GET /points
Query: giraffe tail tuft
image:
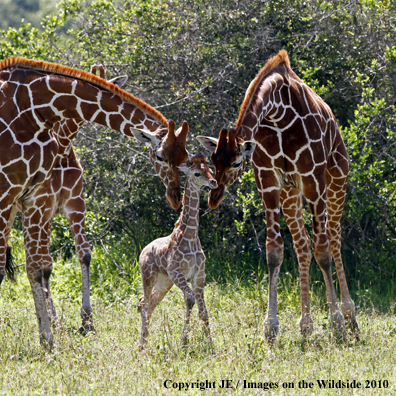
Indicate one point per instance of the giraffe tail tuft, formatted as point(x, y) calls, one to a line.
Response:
point(10, 269)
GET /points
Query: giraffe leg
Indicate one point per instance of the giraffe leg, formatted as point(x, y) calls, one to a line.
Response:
point(336, 188)
point(291, 201)
point(315, 194)
point(32, 225)
point(3, 248)
point(149, 273)
point(74, 211)
point(47, 266)
point(162, 286)
point(198, 285)
point(189, 297)
point(4, 221)
point(274, 250)
point(14, 210)
point(155, 287)
point(148, 285)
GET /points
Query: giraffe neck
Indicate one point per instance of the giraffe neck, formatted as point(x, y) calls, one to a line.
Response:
point(64, 132)
point(259, 110)
point(50, 98)
point(267, 100)
point(281, 101)
point(188, 223)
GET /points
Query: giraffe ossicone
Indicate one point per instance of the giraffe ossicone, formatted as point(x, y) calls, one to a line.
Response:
point(35, 97)
point(178, 258)
point(297, 151)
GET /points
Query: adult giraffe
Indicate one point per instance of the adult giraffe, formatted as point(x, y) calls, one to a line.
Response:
point(297, 151)
point(65, 195)
point(34, 96)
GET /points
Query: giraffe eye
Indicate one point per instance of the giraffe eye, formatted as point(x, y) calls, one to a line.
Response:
point(160, 159)
point(236, 164)
point(197, 174)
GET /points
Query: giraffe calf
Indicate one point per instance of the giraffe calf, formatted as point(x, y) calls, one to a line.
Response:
point(178, 258)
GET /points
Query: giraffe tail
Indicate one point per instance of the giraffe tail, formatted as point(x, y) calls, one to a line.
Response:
point(10, 269)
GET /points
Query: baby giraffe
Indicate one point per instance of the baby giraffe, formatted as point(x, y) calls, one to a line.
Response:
point(179, 257)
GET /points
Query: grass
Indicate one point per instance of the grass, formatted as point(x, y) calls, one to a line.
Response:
point(109, 362)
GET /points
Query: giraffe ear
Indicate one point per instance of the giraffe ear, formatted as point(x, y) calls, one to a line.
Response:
point(208, 142)
point(145, 136)
point(119, 80)
point(184, 169)
point(248, 147)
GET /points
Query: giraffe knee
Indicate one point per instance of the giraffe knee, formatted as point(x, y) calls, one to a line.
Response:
point(190, 300)
point(141, 304)
point(324, 261)
point(87, 259)
point(274, 259)
point(46, 273)
point(39, 277)
point(204, 316)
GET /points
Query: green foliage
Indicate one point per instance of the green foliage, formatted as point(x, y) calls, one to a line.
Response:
point(194, 61)
point(13, 11)
point(369, 221)
point(114, 277)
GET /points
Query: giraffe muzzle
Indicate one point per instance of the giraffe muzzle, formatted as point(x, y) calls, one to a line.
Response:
point(213, 184)
point(216, 196)
point(173, 198)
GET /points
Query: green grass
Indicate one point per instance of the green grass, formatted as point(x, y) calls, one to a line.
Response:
point(109, 362)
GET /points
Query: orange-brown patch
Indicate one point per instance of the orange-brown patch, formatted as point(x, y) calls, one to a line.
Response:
point(198, 159)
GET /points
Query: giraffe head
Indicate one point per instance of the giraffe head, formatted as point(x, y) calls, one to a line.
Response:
point(199, 172)
point(229, 154)
point(167, 152)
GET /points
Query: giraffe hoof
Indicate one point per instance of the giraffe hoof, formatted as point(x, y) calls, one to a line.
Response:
point(55, 324)
point(271, 329)
point(337, 321)
point(87, 325)
point(271, 338)
point(352, 325)
point(306, 325)
point(348, 310)
point(142, 343)
point(47, 340)
point(86, 328)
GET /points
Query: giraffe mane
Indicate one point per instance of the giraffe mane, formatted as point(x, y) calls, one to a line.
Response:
point(86, 76)
point(272, 63)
